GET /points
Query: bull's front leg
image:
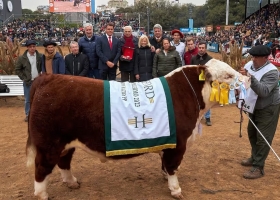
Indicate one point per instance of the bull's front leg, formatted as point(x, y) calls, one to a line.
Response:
point(173, 185)
point(171, 160)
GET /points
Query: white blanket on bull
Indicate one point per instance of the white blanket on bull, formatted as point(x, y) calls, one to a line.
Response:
point(139, 117)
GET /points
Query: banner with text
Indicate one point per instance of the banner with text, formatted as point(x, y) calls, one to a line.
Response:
point(213, 47)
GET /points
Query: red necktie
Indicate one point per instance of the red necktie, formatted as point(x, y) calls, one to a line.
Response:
point(110, 42)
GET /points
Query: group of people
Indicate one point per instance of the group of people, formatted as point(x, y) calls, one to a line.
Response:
point(143, 59)
point(99, 57)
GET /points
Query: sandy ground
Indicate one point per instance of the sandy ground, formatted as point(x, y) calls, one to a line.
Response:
point(210, 170)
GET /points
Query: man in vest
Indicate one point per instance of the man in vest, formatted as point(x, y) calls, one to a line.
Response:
point(262, 103)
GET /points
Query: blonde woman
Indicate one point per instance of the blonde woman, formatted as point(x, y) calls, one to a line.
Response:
point(143, 65)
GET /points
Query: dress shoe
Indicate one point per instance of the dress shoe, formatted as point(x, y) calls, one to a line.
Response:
point(254, 173)
point(247, 162)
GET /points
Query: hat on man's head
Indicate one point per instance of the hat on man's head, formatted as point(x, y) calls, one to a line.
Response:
point(260, 50)
point(47, 43)
point(177, 31)
point(29, 42)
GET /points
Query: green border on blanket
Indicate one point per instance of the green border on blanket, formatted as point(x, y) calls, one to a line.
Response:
point(107, 112)
point(142, 146)
point(171, 115)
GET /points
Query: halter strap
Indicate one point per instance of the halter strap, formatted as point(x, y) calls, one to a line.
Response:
point(192, 89)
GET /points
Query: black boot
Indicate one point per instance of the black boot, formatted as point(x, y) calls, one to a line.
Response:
point(208, 122)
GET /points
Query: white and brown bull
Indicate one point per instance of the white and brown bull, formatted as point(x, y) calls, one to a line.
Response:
point(68, 112)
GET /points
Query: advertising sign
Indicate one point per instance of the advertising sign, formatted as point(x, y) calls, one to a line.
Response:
point(190, 30)
point(213, 47)
point(190, 23)
point(93, 9)
point(209, 28)
point(70, 6)
point(185, 30)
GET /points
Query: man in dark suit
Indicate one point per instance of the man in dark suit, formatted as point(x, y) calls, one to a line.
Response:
point(108, 50)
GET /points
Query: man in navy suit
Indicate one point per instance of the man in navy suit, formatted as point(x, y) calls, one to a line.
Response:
point(108, 50)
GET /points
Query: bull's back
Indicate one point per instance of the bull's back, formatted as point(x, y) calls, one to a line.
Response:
point(66, 108)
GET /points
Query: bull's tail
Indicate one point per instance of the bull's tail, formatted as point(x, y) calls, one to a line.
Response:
point(30, 152)
point(30, 148)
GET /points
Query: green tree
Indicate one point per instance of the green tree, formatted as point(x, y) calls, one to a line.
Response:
point(172, 16)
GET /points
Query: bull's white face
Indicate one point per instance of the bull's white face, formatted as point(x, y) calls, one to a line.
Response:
point(222, 72)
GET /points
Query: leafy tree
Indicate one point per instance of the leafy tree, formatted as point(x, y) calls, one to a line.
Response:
point(26, 11)
point(172, 16)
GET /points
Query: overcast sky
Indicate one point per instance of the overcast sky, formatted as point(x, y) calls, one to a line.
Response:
point(32, 4)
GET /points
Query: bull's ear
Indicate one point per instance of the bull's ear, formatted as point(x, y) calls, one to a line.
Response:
point(201, 72)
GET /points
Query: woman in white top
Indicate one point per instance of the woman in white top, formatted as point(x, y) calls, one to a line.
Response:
point(176, 42)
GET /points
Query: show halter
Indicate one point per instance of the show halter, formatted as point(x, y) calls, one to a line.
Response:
point(192, 89)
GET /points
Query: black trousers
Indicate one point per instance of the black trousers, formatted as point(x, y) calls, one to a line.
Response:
point(266, 120)
point(108, 74)
point(127, 76)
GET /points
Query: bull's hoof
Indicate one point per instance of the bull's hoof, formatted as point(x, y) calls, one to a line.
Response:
point(74, 185)
point(42, 195)
point(44, 198)
point(177, 196)
point(177, 193)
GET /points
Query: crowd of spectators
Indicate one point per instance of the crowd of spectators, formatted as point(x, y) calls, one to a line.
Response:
point(260, 28)
point(38, 29)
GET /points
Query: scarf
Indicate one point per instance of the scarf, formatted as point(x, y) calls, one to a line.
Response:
point(48, 61)
point(49, 56)
point(128, 42)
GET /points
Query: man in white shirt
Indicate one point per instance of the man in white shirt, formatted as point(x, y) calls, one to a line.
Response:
point(28, 67)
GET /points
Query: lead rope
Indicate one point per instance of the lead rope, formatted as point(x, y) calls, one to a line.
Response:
point(241, 120)
point(192, 90)
point(262, 136)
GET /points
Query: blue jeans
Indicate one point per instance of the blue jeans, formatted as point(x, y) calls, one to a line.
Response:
point(26, 91)
point(93, 73)
point(208, 114)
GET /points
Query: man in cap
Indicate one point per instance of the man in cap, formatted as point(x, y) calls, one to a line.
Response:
point(176, 42)
point(52, 61)
point(28, 67)
point(262, 103)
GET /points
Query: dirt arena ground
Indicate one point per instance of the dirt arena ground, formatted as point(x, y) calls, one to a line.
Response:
point(210, 170)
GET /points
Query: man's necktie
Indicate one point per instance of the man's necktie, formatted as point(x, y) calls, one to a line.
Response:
point(110, 42)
